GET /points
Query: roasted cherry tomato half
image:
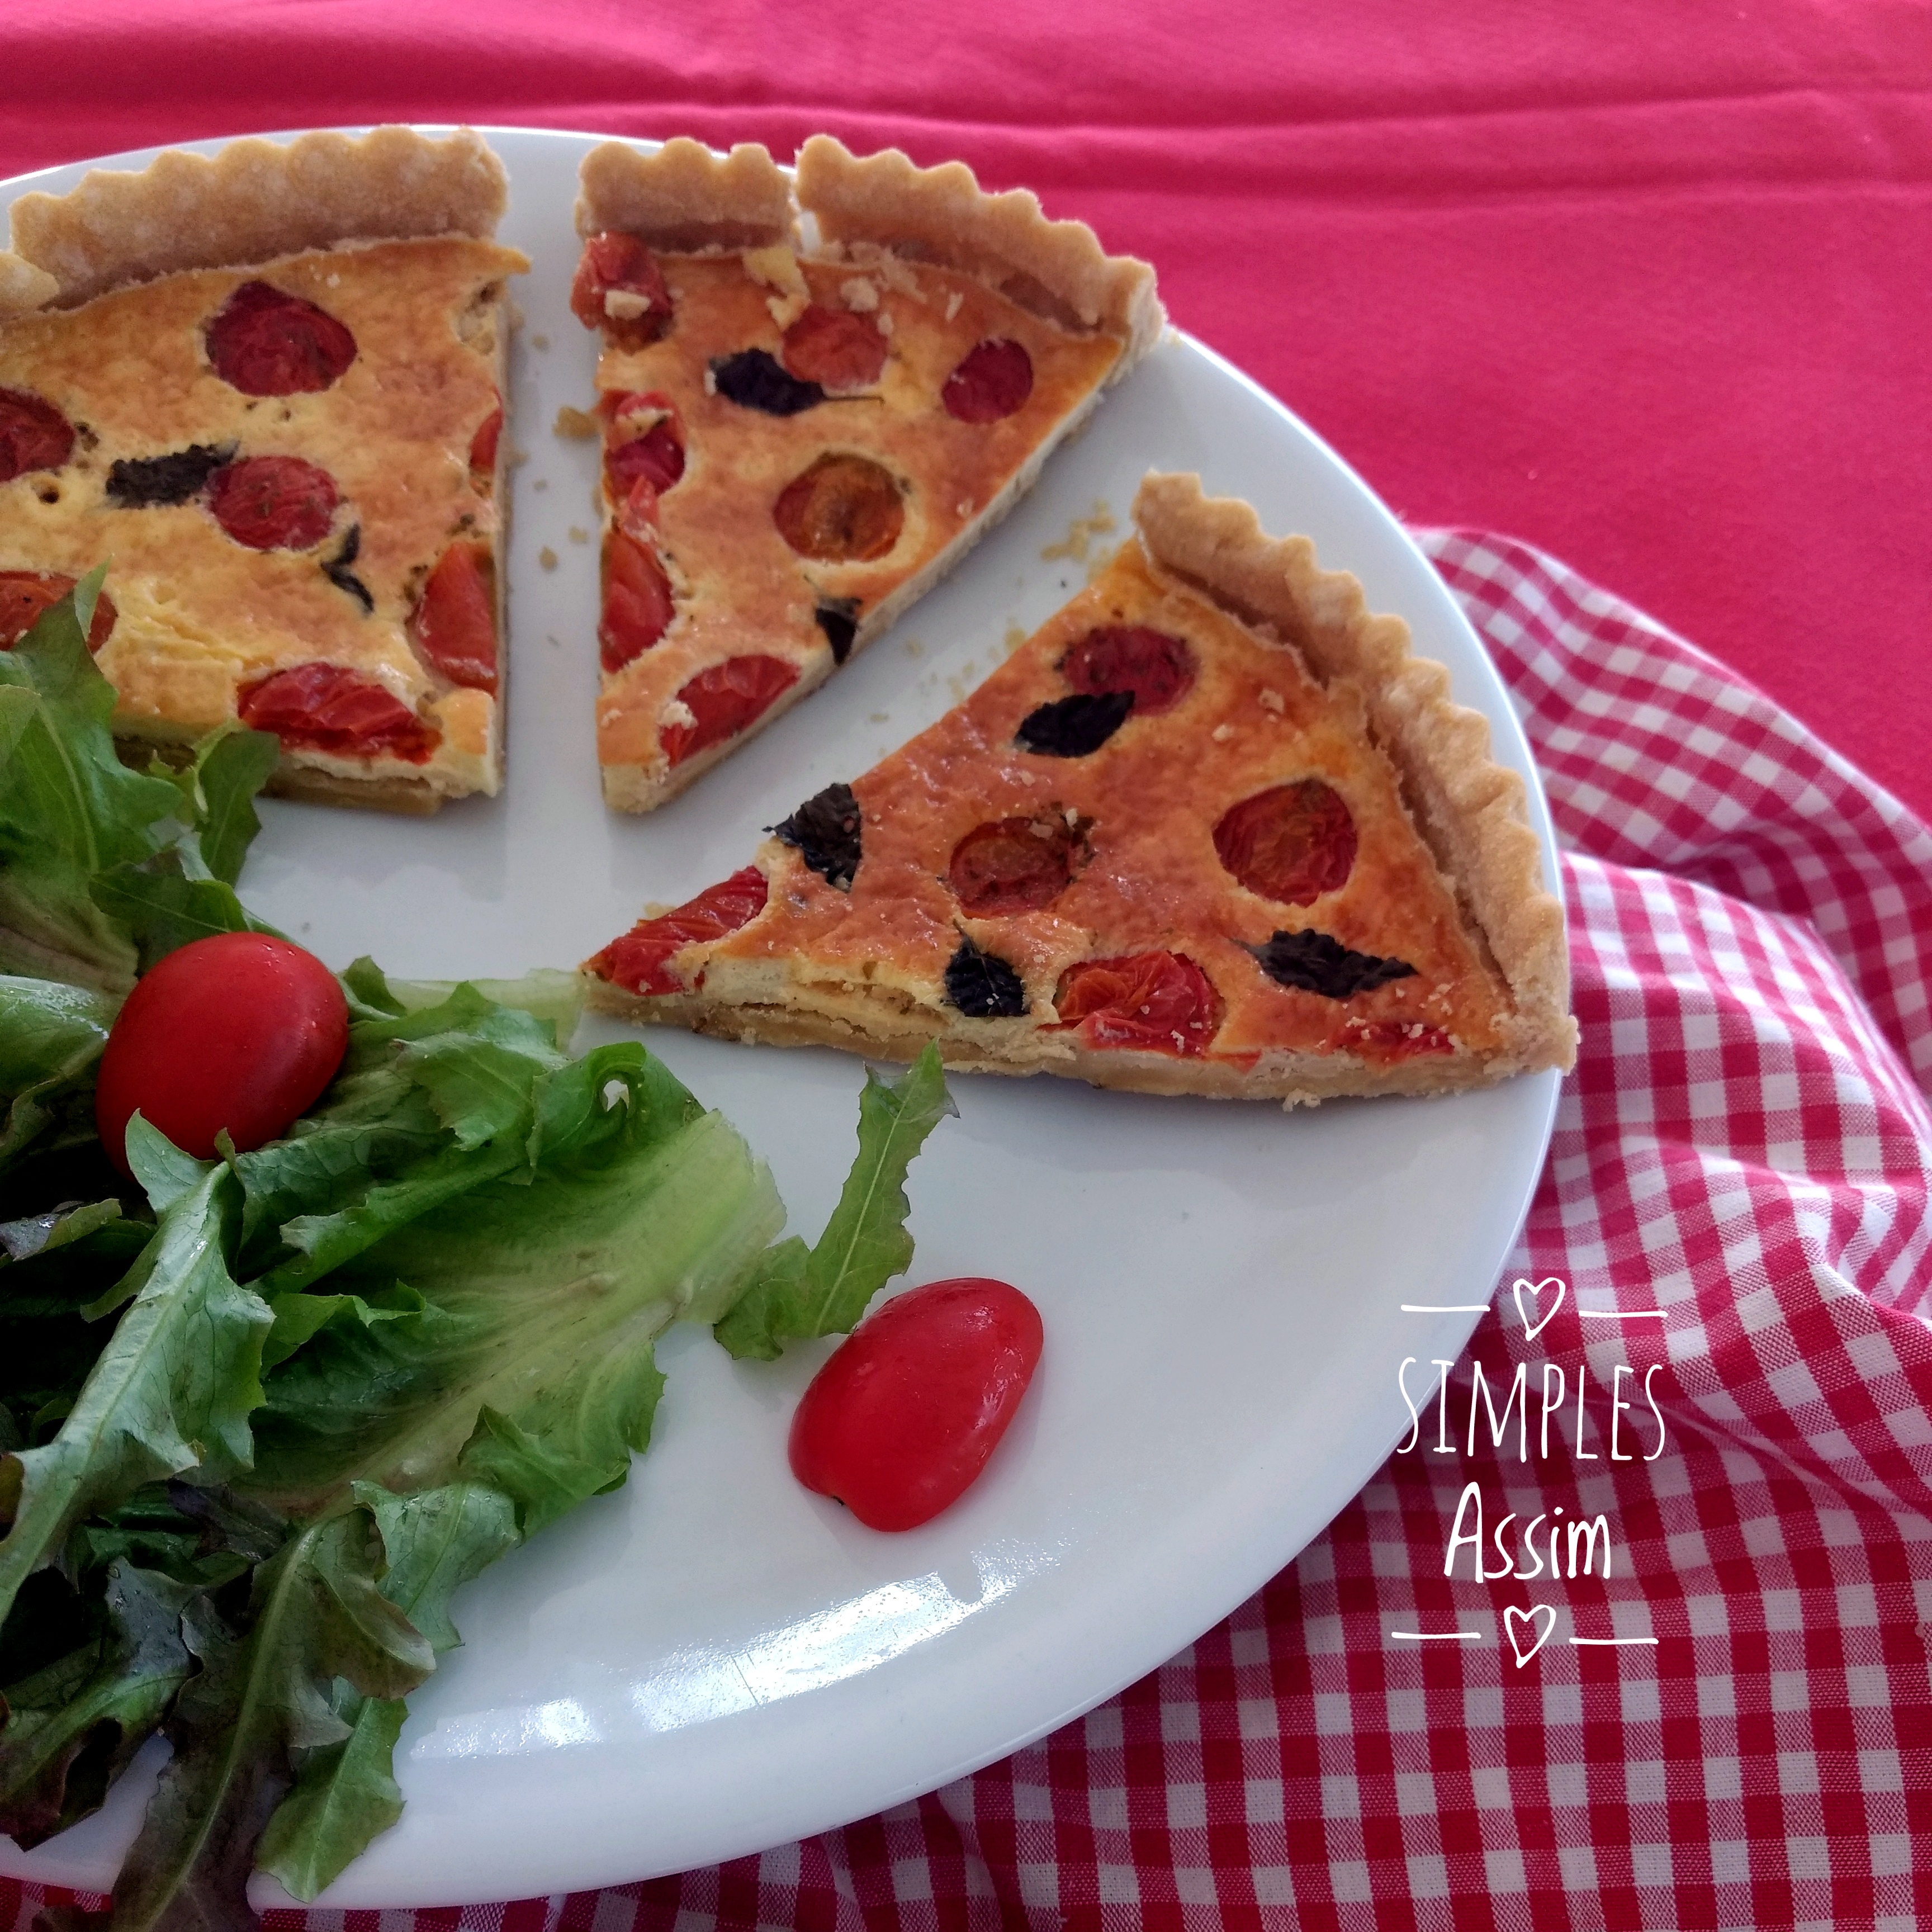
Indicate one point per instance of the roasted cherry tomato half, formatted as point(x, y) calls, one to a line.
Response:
point(241, 1031)
point(904, 1414)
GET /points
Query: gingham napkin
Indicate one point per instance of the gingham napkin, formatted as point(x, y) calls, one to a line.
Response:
point(1734, 1728)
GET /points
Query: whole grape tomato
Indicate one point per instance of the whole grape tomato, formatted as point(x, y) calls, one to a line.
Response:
point(242, 1030)
point(906, 1411)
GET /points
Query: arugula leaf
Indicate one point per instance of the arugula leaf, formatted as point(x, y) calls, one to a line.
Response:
point(231, 765)
point(262, 1698)
point(171, 1390)
point(796, 1296)
point(67, 1732)
point(346, 1793)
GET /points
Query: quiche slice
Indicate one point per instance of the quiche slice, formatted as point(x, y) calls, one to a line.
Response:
point(1212, 829)
point(266, 388)
point(799, 441)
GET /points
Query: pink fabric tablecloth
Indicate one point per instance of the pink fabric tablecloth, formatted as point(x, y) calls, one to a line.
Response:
point(1649, 286)
point(1645, 284)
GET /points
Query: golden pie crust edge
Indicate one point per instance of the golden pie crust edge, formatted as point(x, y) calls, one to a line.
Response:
point(254, 201)
point(942, 215)
point(1472, 812)
point(683, 198)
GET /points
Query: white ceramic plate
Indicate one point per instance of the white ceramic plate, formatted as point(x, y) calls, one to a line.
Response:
point(711, 1660)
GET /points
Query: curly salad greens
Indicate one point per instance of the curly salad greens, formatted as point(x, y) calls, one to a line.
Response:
point(261, 1417)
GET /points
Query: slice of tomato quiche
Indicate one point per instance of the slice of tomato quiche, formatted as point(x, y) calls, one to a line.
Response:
point(266, 388)
point(799, 441)
point(1212, 829)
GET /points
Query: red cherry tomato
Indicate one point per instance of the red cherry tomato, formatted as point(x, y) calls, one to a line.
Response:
point(273, 502)
point(902, 1418)
point(241, 1031)
point(265, 342)
point(26, 595)
point(640, 960)
point(33, 435)
point(454, 621)
point(638, 604)
point(835, 349)
point(328, 708)
point(993, 380)
point(621, 264)
point(483, 451)
point(1159, 1002)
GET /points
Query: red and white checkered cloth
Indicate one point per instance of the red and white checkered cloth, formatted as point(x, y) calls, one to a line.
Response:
point(1745, 1146)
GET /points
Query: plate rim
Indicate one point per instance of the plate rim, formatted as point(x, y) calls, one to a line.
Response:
point(1448, 1335)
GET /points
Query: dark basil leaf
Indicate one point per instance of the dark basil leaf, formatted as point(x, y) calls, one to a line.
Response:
point(1312, 962)
point(982, 985)
point(825, 829)
point(1070, 728)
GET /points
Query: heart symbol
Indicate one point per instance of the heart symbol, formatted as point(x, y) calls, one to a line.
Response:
point(1531, 1330)
point(1541, 1619)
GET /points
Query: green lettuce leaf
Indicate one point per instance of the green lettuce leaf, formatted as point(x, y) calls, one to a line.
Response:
point(346, 1793)
point(103, 870)
point(265, 1696)
point(796, 1295)
point(173, 1390)
point(540, 1296)
point(546, 993)
point(67, 1733)
point(431, 1103)
point(69, 808)
point(51, 1034)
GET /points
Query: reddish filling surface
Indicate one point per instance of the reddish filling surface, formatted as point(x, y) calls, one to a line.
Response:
point(1012, 864)
point(273, 502)
point(638, 605)
point(842, 509)
point(653, 454)
point(613, 261)
point(836, 349)
point(994, 379)
point(483, 451)
point(1156, 667)
point(1390, 1040)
